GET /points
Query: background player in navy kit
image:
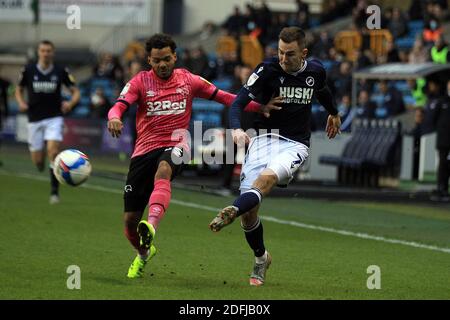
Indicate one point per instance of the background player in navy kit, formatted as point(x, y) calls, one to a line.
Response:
point(45, 107)
point(275, 156)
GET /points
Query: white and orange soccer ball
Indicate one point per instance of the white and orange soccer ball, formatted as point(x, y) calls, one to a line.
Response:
point(72, 167)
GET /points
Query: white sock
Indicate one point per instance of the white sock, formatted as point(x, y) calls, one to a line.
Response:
point(262, 259)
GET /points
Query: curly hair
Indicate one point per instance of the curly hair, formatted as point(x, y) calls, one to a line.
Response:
point(159, 41)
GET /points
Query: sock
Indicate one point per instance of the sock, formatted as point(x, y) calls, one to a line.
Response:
point(254, 236)
point(54, 184)
point(261, 259)
point(159, 201)
point(248, 200)
point(133, 237)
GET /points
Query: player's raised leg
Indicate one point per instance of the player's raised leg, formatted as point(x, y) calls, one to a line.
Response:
point(253, 229)
point(246, 201)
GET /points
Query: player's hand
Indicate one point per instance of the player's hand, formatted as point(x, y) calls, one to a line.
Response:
point(66, 107)
point(271, 105)
point(115, 126)
point(240, 137)
point(23, 107)
point(333, 126)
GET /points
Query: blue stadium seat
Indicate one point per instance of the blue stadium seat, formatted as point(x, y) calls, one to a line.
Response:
point(223, 83)
point(314, 22)
point(402, 86)
point(377, 98)
point(328, 64)
point(405, 42)
point(409, 100)
point(416, 25)
point(81, 111)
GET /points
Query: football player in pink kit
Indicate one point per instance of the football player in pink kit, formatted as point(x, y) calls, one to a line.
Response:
point(164, 96)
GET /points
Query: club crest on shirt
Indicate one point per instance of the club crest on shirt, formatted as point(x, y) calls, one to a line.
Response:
point(252, 79)
point(310, 81)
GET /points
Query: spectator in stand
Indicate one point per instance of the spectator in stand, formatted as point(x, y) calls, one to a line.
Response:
point(432, 31)
point(386, 17)
point(185, 59)
point(302, 7)
point(359, 15)
point(109, 67)
point(403, 55)
point(392, 103)
point(442, 120)
point(341, 82)
point(200, 63)
point(418, 54)
point(417, 88)
point(346, 113)
point(398, 25)
point(433, 92)
point(227, 62)
point(302, 20)
point(392, 54)
point(416, 10)
point(99, 105)
point(365, 108)
point(322, 45)
point(417, 133)
point(263, 22)
point(207, 30)
point(362, 60)
point(330, 13)
point(235, 24)
point(271, 50)
point(439, 9)
point(439, 51)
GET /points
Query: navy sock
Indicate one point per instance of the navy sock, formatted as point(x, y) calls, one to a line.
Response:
point(254, 237)
point(54, 184)
point(247, 201)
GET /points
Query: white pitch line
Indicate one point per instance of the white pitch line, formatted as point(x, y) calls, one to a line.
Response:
point(266, 218)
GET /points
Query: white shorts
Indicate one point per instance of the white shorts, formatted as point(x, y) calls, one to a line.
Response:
point(283, 156)
point(44, 130)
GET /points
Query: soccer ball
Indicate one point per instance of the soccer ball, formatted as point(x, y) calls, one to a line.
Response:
point(72, 167)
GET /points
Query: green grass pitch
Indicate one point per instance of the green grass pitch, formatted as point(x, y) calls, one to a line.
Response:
point(39, 241)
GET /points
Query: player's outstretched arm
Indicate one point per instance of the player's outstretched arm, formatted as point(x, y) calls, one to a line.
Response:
point(115, 124)
point(129, 95)
point(333, 126)
point(325, 98)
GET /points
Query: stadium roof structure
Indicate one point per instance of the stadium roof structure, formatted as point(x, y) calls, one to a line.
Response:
point(399, 71)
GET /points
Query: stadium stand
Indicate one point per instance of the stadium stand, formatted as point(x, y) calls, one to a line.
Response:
point(372, 152)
